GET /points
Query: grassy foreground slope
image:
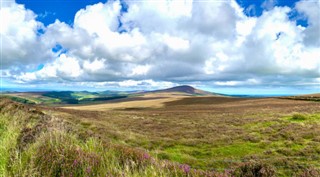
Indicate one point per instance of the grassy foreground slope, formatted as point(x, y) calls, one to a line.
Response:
point(205, 137)
point(34, 143)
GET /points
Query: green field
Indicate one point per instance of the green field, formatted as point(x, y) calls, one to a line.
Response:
point(63, 97)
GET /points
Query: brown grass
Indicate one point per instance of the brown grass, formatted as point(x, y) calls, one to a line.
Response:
point(144, 101)
point(266, 136)
point(205, 132)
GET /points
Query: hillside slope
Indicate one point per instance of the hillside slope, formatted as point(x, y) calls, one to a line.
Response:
point(35, 143)
point(186, 89)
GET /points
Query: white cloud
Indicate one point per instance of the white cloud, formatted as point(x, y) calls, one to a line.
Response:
point(176, 43)
point(95, 66)
point(140, 84)
point(247, 82)
point(68, 66)
point(140, 70)
point(165, 42)
point(99, 19)
point(19, 35)
point(227, 83)
point(64, 68)
point(145, 84)
point(311, 10)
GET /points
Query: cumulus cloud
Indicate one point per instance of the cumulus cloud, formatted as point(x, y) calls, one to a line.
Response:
point(125, 84)
point(311, 11)
point(166, 42)
point(21, 45)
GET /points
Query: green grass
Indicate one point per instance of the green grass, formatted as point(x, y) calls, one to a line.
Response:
point(303, 118)
point(228, 151)
point(33, 100)
point(283, 143)
point(202, 156)
point(9, 131)
point(63, 97)
point(19, 99)
point(236, 150)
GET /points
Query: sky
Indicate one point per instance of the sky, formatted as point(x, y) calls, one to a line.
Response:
point(224, 46)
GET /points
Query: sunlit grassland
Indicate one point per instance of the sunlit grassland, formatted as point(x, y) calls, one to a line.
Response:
point(217, 136)
point(64, 97)
point(286, 143)
point(287, 146)
point(35, 144)
point(241, 138)
point(32, 99)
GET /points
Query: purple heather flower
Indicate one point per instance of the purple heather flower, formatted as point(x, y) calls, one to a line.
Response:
point(88, 170)
point(186, 168)
point(75, 162)
point(146, 156)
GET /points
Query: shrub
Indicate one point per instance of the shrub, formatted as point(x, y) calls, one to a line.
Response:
point(298, 117)
point(61, 155)
point(254, 169)
point(310, 172)
point(134, 158)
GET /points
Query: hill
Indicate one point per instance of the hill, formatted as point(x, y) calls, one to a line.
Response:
point(64, 97)
point(185, 89)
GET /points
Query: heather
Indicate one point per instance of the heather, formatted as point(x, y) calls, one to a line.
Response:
point(43, 141)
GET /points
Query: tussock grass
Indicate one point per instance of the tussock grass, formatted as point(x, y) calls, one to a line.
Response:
point(298, 117)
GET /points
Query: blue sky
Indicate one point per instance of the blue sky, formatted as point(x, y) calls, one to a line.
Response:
point(65, 10)
point(233, 47)
point(50, 10)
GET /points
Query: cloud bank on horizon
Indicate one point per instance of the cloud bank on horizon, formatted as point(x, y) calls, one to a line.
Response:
point(164, 43)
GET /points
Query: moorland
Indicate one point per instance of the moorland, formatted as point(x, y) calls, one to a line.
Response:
point(180, 131)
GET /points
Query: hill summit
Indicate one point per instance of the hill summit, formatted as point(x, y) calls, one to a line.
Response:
point(184, 89)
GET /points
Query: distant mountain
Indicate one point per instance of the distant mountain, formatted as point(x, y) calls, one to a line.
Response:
point(183, 89)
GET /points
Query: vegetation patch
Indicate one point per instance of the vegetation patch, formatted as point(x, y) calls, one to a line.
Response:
point(237, 150)
point(18, 99)
point(298, 117)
